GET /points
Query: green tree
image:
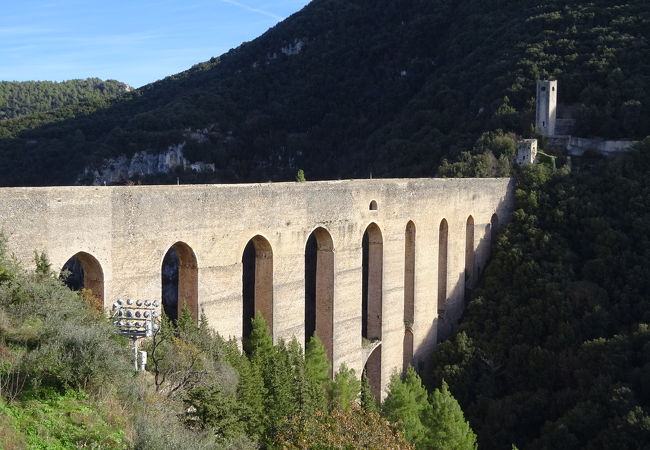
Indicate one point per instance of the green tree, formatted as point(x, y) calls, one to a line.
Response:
point(300, 176)
point(407, 404)
point(259, 343)
point(344, 389)
point(43, 266)
point(317, 364)
point(251, 391)
point(210, 408)
point(367, 399)
point(317, 367)
point(449, 429)
point(277, 367)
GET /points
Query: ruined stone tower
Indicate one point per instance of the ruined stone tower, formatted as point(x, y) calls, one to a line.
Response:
point(527, 152)
point(546, 107)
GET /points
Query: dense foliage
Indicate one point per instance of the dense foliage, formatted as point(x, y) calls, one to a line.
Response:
point(553, 351)
point(353, 88)
point(29, 97)
point(66, 382)
point(433, 421)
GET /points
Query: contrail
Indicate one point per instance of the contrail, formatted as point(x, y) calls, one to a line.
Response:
point(255, 10)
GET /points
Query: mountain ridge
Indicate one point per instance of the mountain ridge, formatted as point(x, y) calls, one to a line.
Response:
point(20, 98)
point(388, 88)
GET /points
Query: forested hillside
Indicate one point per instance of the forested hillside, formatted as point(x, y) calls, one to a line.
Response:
point(349, 88)
point(29, 97)
point(554, 351)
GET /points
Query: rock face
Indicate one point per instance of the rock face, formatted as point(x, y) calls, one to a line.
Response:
point(123, 168)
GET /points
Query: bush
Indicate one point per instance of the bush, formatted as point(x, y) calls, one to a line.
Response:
point(342, 429)
point(159, 429)
point(57, 338)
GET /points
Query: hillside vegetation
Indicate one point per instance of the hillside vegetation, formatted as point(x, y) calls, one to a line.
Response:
point(350, 88)
point(21, 98)
point(66, 381)
point(554, 350)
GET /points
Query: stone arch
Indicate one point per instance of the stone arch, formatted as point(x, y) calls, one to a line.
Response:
point(319, 289)
point(469, 253)
point(494, 228)
point(372, 369)
point(257, 283)
point(443, 241)
point(371, 304)
point(409, 291)
point(84, 272)
point(180, 281)
point(373, 205)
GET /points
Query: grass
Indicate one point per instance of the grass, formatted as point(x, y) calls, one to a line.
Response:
point(49, 420)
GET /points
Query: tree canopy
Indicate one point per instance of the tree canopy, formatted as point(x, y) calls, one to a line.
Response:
point(351, 88)
point(552, 351)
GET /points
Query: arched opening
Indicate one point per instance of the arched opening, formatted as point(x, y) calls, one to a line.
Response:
point(373, 372)
point(409, 290)
point(180, 282)
point(373, 252)
point(371, 303)
point(83, 271)
point(257, 283)
point(319, 289)
point(443, 235)
point(373, 206)
point(494, 228)
point(469, 253)
point(408, 349)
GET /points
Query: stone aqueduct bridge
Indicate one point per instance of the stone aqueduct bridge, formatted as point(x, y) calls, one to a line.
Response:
point(378, 269)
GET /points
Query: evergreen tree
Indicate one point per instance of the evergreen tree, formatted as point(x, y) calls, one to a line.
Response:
point(366, 397)
point(407, 404)
point(276, 369)
point(449, 429)
point(279, 380)
point(43, 266)
point(251, 391)
point(210, 408)
point(344, 389)
point(259, 343)
point(317, 369)
point(317, 365)
point(301, 394)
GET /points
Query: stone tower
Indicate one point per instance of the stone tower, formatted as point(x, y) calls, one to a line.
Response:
point(527, 152)
point(546, 107)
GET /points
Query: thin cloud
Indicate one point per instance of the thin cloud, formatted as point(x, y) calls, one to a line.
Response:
point(255, 10)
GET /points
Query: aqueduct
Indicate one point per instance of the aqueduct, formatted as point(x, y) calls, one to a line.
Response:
point(378, 269)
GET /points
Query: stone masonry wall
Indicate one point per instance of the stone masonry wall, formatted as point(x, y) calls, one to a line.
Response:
point(129, 230)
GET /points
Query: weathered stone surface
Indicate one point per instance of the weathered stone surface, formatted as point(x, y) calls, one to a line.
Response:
point(129, 230)
point(143, 163)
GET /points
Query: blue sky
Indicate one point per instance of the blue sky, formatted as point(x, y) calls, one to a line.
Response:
point(134, 41)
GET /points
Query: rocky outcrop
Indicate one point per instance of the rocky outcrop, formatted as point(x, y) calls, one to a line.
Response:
point(142, 164)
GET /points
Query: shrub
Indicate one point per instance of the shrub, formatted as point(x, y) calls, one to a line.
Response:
point(342, 429)
point(58, 339)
